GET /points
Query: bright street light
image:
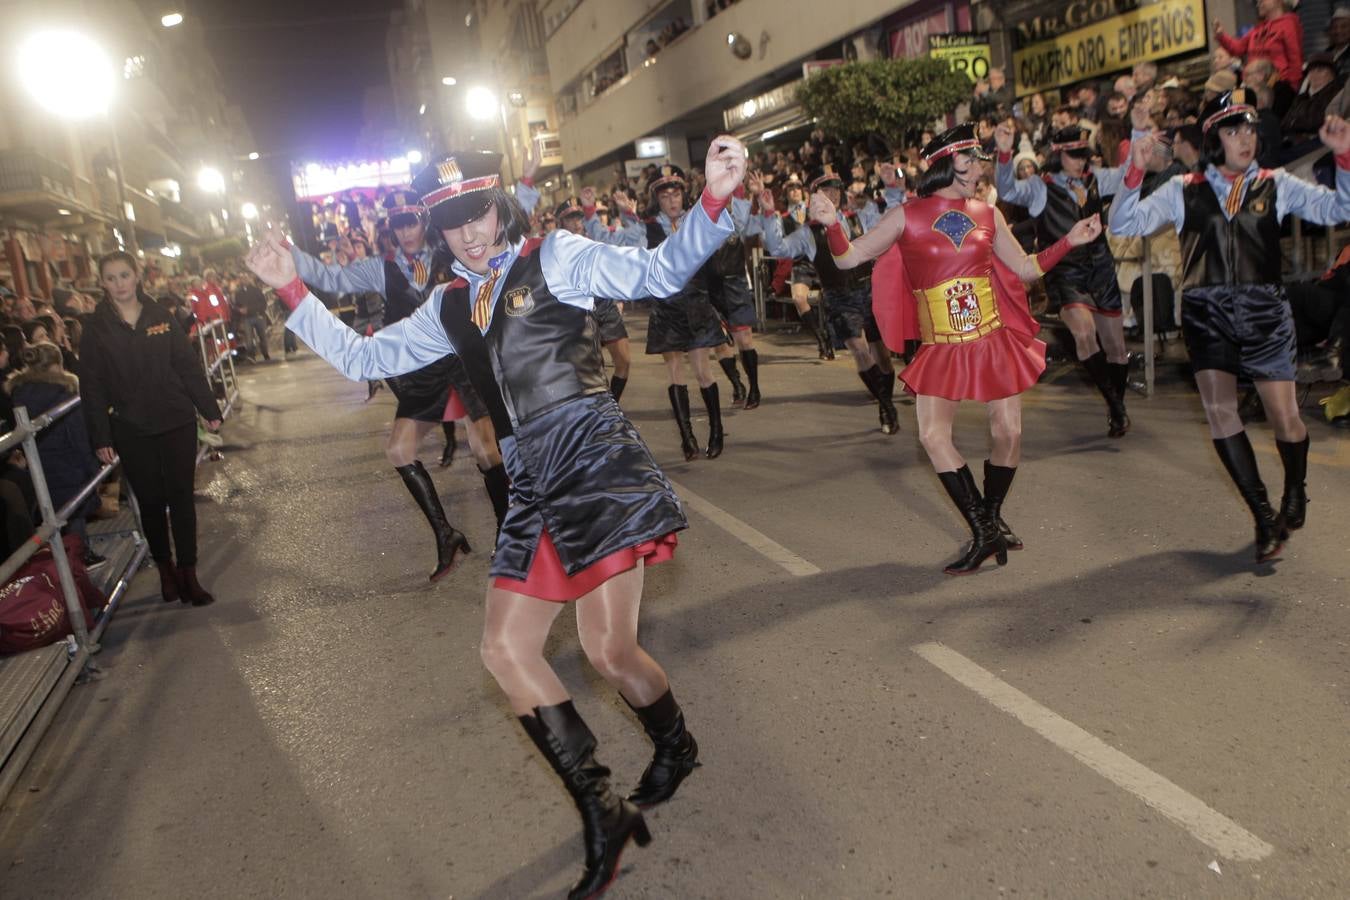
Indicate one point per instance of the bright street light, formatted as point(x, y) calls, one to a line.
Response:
point(67, 73)
point(253, 155)
point(482, 103)
point(171, 19)
point(449, 81)
point(249, 210)
point(414, 157)
point(211, 181)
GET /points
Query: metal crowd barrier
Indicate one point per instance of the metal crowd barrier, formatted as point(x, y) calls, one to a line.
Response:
point(24, 727)
point(213, 340)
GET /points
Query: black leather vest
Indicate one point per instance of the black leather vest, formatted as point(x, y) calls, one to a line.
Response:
point(831, 276)
point(537, 353)
point(1061, 213)
point(401, 298)
point(1243, 250)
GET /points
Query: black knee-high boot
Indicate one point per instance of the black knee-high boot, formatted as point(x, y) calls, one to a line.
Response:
point(986, 541)
point(448, 454)
point(1238, 458)
point(616, 385)
point(875, 380)
point(1120, 382)
point(498, 488)
point(712, 400)
point(449, 542)
point(679, 403)
point(676, 753)
point(811, 319)
point(1294, 505)
point(751, 360)
point(607, 820)
point(1117, 422)
point(997, 481)
point(728, 365)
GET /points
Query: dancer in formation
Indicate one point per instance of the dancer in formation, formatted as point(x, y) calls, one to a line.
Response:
point(418, 266)
point(1083, 288)
point(589, 506)
point(1234, 314)
point(958, 290)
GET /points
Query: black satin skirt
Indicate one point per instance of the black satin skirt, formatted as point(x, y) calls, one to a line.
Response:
point(685, 322)
point(609, 321)
point(422, 395)
point(1244, 329)
point(581, 471)
point(1093, 285)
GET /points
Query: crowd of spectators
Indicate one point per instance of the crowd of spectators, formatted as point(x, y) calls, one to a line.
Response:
point(665, 36)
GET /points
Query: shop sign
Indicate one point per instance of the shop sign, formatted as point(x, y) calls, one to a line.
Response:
point(780, 98)
point(1151, 31)
point(965, 53)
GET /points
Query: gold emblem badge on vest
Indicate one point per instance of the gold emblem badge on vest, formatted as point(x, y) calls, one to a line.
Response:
point(518, 302)
point(1259, 206)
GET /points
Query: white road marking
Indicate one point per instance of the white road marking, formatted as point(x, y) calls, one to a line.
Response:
point(1227, 837)
point(752, 537)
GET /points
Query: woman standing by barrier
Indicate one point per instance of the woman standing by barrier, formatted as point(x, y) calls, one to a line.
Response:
point(142, 387)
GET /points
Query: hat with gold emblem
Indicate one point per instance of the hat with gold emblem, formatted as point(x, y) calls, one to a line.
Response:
point(668, 176)
point(456, 188)
point(403, 206)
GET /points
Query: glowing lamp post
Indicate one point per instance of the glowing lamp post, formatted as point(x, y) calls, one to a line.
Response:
point(483, 106)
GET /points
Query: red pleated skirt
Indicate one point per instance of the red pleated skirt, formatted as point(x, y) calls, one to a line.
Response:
point(997, 365)
point(548, 580)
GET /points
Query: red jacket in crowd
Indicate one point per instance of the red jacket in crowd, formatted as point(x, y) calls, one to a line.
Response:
point(209, 303)
point(1279, 40)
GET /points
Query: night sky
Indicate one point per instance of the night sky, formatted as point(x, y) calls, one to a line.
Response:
point(299, 68)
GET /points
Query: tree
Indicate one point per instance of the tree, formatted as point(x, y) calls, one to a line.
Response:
point(890, 97)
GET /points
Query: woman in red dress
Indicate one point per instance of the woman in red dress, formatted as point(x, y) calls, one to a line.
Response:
point(959, 291)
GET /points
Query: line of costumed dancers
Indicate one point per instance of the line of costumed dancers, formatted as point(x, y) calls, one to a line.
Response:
point(590, 508)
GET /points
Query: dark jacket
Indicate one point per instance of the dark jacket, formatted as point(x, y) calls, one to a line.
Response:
point(147, 379)
point(68, 461)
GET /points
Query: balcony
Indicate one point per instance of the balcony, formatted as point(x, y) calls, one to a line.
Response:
point(34, 184)
point(550, 149)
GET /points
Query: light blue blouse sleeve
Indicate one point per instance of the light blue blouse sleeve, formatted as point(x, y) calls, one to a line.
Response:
point(397, 349)
point(527, 197)
point(1131, 216)
point(1313, 202)
point(1028, 192)
point(360, 276)
point(801, 243)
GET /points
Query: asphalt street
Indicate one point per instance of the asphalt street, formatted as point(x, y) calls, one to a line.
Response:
point(1129, 708)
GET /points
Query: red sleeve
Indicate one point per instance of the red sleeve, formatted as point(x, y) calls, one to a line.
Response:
point(1291, 32)
point(1235, 46)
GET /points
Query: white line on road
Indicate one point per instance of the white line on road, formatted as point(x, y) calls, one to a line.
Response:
point(752, 537)
point(1230, 839)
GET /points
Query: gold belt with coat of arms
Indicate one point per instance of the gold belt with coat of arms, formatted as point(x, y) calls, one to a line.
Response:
point(957, 311)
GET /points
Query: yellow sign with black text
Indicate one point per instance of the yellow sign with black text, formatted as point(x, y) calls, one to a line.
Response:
point(966, 53)
point(1152, 31)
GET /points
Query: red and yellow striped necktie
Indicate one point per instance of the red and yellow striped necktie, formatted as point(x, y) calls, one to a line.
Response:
point(482, 307)
point(1235, 196)
point(419, 271)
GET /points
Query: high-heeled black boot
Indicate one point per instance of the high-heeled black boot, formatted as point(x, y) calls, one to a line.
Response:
point(676, 754)
point(750, 359)
point(190, 589)
point(811, 319)
point(891, 420)
point(1117, 421)
point(498, 488)
point(607, 820)
point(679, 403)
point(728, 364)
point(997, 481)
point(1294, 504)
point(713, 402)
point(448, 454)
point(875, 380)
point(449, 542)
point(985, 538)
point(616, 385)
point(1238, 458)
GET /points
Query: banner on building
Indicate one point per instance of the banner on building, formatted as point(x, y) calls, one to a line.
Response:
point(965, 53)
point(1151, 31)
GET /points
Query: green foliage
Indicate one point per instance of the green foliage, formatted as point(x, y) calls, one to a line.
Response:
point(892, 97)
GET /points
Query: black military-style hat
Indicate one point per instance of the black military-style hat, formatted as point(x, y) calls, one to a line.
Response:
point(668, 176)
point(1228, 109)
point(569, 207)
point(456, 187)
point(960, 139)
point(402, 203)
point(1072, 139)
point(825, 178)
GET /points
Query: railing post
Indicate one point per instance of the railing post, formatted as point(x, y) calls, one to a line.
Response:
point(757, 283)
point(1146, 272)
point(74, 609)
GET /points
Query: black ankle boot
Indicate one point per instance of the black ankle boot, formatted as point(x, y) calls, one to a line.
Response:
point(448, 454)
point(607, 821)
point(190, 589)
point(750, 359)
point(985, 538)
point(449, 542)
point(1117, 422)
point(168, 582)
point(1294, 505)
point(997, 481)
point(811, 319)
point(728, 365)
point(676, 753)
point(498, 488)
point(876, 380)
point(679, 403)
point(714, 404)
point(1238, 458)
point(616, 385)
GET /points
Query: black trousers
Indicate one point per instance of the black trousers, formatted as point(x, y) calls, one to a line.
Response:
point(160, 469)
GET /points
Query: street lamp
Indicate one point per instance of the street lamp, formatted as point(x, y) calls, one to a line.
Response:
point(72, 77)
point(169, 20)
point(414, 157)
point(249, 210)
point(210, 180)
point(483, 105)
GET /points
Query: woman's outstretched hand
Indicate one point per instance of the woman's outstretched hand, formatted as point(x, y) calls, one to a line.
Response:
point(271, 262)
